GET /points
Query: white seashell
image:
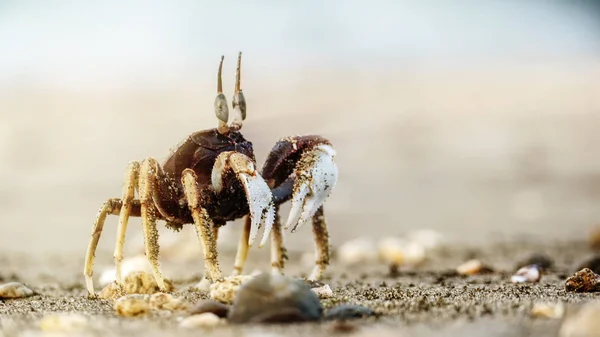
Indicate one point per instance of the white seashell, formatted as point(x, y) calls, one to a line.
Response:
point(323, 292)
point(129, 265)
point(471, 267)
point(357, 251)
point(398, 251)
point(527, 274)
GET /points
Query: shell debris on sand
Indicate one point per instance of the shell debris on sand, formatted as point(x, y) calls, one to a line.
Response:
point(164, 301)
point(275, 299)
point(138, 263)
point(226, 290)
point(399, 251)
point(204, 320)
point(584, 280)
point(134, 283)
point(356, 251)
point(13, 290)
point(473, 267)
point(583, 323)
point(132, 305)
point(323, 291)
point(528, 274)
point(68, 322)
point(548, 310)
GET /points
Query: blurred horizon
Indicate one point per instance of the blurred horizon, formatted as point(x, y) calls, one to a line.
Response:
point(478, 118)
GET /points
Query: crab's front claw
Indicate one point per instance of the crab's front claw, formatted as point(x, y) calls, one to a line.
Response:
point(258, 193)
point(315, 176)
point(260, 203)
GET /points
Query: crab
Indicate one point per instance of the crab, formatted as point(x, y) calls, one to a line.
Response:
point(210, 179)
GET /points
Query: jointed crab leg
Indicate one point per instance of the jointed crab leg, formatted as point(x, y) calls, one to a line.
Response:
point(109, 207)
point(129, 186)
point(203, 225)
point(321, 245)
point(278, 254)
point(242, 251)
point(147, 188)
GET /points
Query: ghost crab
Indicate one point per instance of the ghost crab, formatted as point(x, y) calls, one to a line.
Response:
point(210, 179)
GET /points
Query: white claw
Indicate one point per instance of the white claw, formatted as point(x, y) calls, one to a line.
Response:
point(260, 203)
point(317, 175)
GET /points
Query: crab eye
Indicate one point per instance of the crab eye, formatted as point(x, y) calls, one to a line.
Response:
point(221, 109)
point(240, 101)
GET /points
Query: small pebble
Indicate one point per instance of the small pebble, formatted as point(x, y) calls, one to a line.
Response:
point(14, 290)
point(584, 280)
point(138, 263)
point(275, 299)
point(543, 261)
point(132, 305)
point(64, 323)
point(323, 291)
point(225, 291)
point(548, 310)
point(357, 251)
point(205, 320)
point(134, 283)
point(529, 274)
point(592, 263)
point(472, 267)
point(583, 323)
point(211, 306)
point(348, 311)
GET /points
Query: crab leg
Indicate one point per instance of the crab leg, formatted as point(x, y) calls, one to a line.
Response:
point(242, 252)
point(203, 224)
point(147, 188)
point(131, 180)
point(278, 253)
point(109, 207)
point(321, 245)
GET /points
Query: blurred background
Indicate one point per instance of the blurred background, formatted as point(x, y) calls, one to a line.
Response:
point(479, 119)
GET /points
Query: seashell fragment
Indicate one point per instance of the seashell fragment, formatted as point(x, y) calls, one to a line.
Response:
point(528, 274)
point(357, 251)
point(13, 290)
point(473, 267)
point(582, 281)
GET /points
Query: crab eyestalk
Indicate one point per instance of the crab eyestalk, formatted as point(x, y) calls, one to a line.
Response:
point(221, 108)
point(239, 102)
